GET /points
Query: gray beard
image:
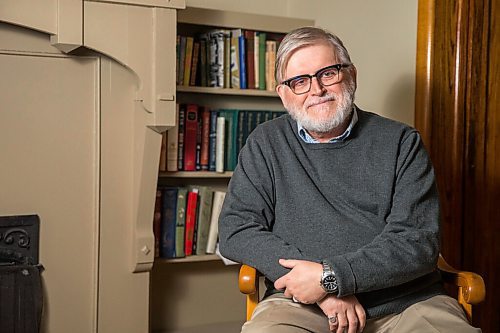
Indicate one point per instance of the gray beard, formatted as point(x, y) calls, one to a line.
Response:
point(343, 110)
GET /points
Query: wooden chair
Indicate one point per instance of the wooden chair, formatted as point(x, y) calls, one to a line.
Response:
point(470, 285)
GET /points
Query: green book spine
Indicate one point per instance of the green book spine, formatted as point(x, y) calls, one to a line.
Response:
point(204, 214)
point(262, 61)
point(231, 141)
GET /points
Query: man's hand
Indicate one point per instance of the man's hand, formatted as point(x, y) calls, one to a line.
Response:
point(302, 282)
point(345, 314)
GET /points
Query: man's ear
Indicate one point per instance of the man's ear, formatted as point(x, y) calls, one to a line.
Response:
point(280, 90)
point(354, 74)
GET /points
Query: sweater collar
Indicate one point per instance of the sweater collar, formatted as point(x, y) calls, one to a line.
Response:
point(309, 139)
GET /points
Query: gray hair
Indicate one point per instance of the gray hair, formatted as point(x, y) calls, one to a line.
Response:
point(307, 36)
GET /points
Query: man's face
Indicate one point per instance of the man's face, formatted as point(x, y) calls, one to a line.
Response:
point(322, 109)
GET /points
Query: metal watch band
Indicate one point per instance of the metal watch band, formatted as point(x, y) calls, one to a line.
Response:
point(328, 280)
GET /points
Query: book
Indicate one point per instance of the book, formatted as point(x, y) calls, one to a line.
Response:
point(250, 58)
point(250, 124)
point(205, 137)
point(180, 138)
point(262, 61)
point(203, 68)
point(192, 202)
point(205, 198)
point(235, 58)
point(213, 232)
point(231, 139)
point(270, 64)
point(227, 59)
point(172, 144)
point(219, 145)
point(259, 117)
point(168, 222)
point(198, 141)
point(163, 153)
point(277, 114)
point(182, 60)
point(216, 59)
point(190, 133)
point(157, 222)
point(180, 229)
point(256, 61)
point(194, 63)
point(177, 58)
point(242, 62)
point(240, 133)
point(212, 140)
point(188, 60)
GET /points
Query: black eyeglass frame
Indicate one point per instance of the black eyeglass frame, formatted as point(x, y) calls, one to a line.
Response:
point(309, 76)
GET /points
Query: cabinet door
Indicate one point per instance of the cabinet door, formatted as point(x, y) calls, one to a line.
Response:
point(50, 167)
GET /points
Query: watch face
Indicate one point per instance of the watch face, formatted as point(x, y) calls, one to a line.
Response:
point(330, 283)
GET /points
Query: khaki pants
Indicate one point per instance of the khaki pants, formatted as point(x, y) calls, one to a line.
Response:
point(277, 314)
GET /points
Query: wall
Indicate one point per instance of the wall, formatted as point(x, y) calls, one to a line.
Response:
point(48, 109)
point(79, 150)
point(380, 36)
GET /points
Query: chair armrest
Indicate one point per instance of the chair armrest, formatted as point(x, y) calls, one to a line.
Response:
point(471, 284)
point(248, 280)
point(473, 288)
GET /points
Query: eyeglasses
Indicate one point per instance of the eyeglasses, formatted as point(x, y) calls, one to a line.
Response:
point(327, 76)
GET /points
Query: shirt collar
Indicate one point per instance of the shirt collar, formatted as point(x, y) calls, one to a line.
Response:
point(309, 139)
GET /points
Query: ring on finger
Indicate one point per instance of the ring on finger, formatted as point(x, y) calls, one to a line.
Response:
point(332, 319)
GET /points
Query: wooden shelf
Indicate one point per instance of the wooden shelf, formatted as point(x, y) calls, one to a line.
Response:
point(196, 174)
point(228, 19)
point(227, 91)
point(193, 258)
point(225, 327)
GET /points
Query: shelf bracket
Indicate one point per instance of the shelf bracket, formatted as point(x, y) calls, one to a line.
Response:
point(142, 37)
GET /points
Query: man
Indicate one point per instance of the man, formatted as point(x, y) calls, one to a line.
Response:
point(337, 207)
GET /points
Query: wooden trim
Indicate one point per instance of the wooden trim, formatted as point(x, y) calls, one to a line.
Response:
point(423, 85)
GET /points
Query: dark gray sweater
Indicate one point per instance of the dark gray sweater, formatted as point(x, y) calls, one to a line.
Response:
point(367, 205)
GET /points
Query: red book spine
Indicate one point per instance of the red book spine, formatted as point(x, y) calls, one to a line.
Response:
point(250, 53)
point(205, 138)
point(190, 131)
point(192, 202)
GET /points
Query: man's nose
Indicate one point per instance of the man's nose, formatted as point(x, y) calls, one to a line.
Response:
point(316, 87)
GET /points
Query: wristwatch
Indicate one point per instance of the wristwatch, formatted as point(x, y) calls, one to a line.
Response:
point(328, 279)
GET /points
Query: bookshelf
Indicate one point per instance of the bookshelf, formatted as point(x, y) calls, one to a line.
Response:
point(180, 287)
point(226, 91)
point(196, 174)
point(197, 258)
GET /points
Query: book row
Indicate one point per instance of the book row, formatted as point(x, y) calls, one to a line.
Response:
point(186, 221)
point(204, 139)
point(237, 58)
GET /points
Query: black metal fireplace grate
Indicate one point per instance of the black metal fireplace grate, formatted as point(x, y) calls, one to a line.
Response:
point(19, 236)
point(21, 296)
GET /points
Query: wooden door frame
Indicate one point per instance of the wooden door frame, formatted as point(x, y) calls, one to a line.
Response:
point(456, 107)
